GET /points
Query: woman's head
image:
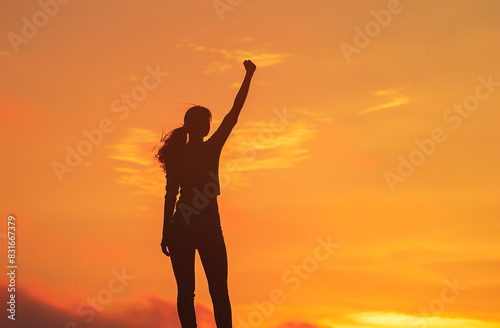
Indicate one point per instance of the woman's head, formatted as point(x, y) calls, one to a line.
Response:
point(197, 121)
point(196, 124)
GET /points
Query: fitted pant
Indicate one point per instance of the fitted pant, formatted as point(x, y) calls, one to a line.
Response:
point(205, 235)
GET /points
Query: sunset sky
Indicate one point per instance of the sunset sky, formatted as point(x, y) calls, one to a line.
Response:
point(359, 187)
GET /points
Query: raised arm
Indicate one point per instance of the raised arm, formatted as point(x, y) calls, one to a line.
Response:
point(239, 101)
point(220, 136)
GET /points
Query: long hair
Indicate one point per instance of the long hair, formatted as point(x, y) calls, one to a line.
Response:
point(177, 138)
point(171, 141)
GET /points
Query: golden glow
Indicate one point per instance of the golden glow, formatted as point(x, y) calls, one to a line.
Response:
point(398, 99)
point(306, 160)
point(402, 320)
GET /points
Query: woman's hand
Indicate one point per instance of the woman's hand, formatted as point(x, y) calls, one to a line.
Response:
point(249, 66)
point(164, 243)
point(164, 248)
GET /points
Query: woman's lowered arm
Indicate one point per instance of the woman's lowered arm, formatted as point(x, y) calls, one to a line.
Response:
point(168, 211)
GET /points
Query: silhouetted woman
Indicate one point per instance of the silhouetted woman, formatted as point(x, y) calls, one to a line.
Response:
point(192, 165)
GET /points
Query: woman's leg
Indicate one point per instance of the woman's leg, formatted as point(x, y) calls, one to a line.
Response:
point(212, 250)
point(182, 253)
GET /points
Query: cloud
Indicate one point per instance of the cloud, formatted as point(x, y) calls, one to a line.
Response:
point(316, 116)
point(396, 99)
point(148, 311)
point(217, 67)
point(231, 58)
point(277, 140)
point(130, 150)
point(257, 146)
point(135, 162)
point(264, 59)
point(153, 311)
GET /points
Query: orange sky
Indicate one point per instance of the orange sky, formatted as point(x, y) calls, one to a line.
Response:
point(382, 143)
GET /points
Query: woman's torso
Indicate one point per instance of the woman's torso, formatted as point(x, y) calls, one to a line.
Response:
point(197, 174)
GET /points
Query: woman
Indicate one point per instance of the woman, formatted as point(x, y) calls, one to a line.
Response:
point(195, 225)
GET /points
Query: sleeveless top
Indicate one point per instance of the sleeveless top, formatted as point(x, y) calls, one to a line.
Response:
point(196, 172)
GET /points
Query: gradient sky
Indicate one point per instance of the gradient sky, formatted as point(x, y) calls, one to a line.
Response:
point(414, 246)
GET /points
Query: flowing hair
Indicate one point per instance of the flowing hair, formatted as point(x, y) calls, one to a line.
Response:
point(171, 142)
point(177, 138)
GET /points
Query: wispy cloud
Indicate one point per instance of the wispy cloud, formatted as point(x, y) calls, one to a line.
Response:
point(395, 98)
point(135, 161)
point(315, 116)
point(231, 58)
point(256, 146)
point(253, 146)
point(130, 148)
